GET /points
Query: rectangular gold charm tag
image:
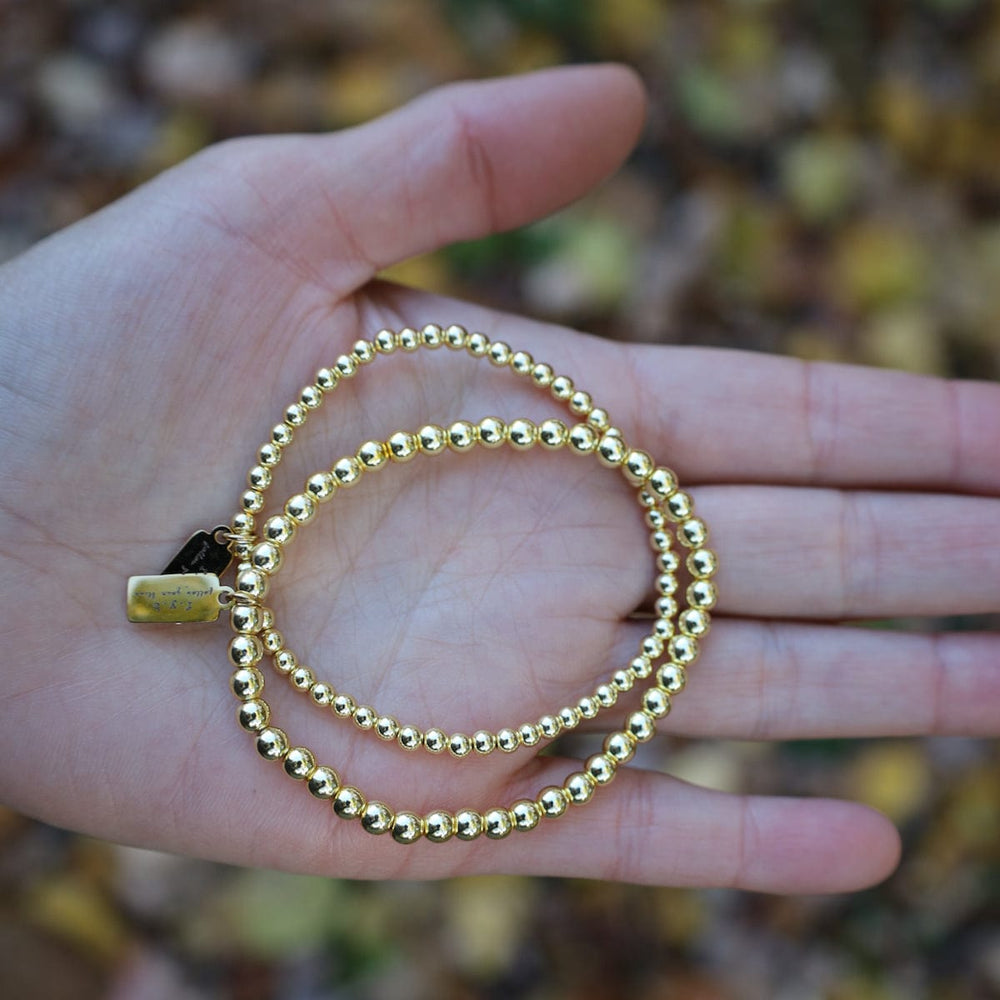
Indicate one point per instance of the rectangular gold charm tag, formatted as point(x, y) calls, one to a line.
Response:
point(176, 597)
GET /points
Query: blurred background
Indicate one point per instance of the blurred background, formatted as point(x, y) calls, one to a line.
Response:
point(817, 178)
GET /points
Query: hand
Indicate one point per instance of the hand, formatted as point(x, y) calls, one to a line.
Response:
point(147, 351)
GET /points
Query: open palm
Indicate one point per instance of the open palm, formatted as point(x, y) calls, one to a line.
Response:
point(148, 351)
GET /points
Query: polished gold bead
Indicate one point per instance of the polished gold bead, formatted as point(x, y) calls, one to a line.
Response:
point(439, 826)
point(588, 707)
point(310, 397)
point(661, 541)
point(364, 351)
point(279, 529)
point(245, 618)
point(638, 466)
point(372, 455)
point(242, 523)
point(251, 583)
point(323, 782)
point(435, 740)
point(542, 375)
point(678, 506)
point(344, 706)
point(272, 743)
point(273, 640)
point(483, 742)
point(492, 432)
point(252, 501)
point(606, 695)
point(620, 746)
point(525, 814)
point(269, 454)
point(507, 740)
point(285, 661)
point(253, 715)
point(601, 767)
point(552, 802)
point(499, 353)
point(299, 763)
point(259, 477)
point(693, 533)
point(569, 717)
point(245, 650)
point(296, 414)
point(461, 436)
point(701, 563)
point(402, 446)
point(529, 734)
point(266, 557)
point(407, 828)
point(468, 824)
point(300, 508)
point(651, 647)
point(386, 728)
point(580, 403)
point(561, 388)
point(376, 818)
point(668, 562)
point(598, 419)
point(665, 607)
point(701, 594)
point(550, 726)
point(553, 434)
point(582, 439)
point(579, 788)
point(459, 745)
point(348, 803)
point(327, 379)
point(346, 366)
point(432, 439)
point(477, 344)
point(497, 824)
point(409, 737)
point(408, 339)
point(247, 683)
point(694, 622)
point(656, 519)
point(522, 362)
point(522, 434)
point(656, 702)
point(385, 342)
point(611, 451)
point(322, 694)
point(282, 435)
point(240, 547)
point(347, 471)
point(641, 725)
point(662, 482)
point(432, 336)
point(302, 679)
point(321, 486)
point(364, 717)
point(641, 667)
point(663, 628)
point(646, 499)
point(266, 618)
point(683, 649)
point(455, 337)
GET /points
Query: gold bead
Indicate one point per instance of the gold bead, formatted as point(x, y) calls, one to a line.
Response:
point(620, 746)
point(459, 745)
point(245, 618)
point(525, 814)
point(656, 519)
point(407, 828)
point(638, 466)
point(344, 706)
point(266, 618)
point(683, 649)
point(623, 680)
point(542, 376)
point(646, 499)
point(588, 707)
point(569, 717)
point(272, 743)
point(408, 339)
point(364, 351)
point(295, 415)
point(455, 337)
point(240, 547)
point(598, 419)
point(499, 354)
point(402, 446)
point(273, 640)
point(553, 434)
point(693, 533)
point(522, 362)
point(606, 695)
point(611, 451)
point(302, 679)
point(529, 734)
point(656, 702)
point(550, 726)
point(372, 455)
point(694, 622)
point(461, 436)
point(651, 647)
point(299, 763)
point(300, 508)
point(323, 782)
point(468, 824)
point(477, 344)
point(311, 396)
point(661, 541)
point(665, 607)
point(346, 366)
point(601, 767)
point(641, 725)
point(663, 628)
point(507, 740)
point(678, 506)
point(580, 403)
point(701, 594)
point(266, 556)
point(385, 342)
point(432, 336)
point(409, 737)
point(497, 824)
point(322, 694)
point(321, 486)
point(348, 803)
point(347, 471)
point(377, 818)
point(242, 523)
point(522, 434)
point(247, 683)
point(432, 439)
point(492, 432)
point(252, 501)
point(364, 717)
point(662, 482)
point(269, 454)
point(483, 742)
point(280, 529)
point(386, 728)
point(579, 788)
point(259, 477)
point(582, 439)
point(439, 826)
point(253, 715)
point(327, 379)
point(701, 563)
point(552, 802)
point(641, 667)
point(435, 740)
point(561, 388)
point(668, 562)
point(245, 650)
point(282, 434)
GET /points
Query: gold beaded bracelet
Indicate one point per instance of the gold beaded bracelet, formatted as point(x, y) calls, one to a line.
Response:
point(189, 590)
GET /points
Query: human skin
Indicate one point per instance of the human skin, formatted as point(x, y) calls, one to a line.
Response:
point(145, 353)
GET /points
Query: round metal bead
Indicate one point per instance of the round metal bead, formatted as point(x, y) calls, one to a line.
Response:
point(259, 477)
point(461, 436)
point(242, 523)
point(432, 439)
point(569, 717)
point(661, 541)
point(402, 446)
point(683, 649)
point(663, 628)
point(435, 740)
point(693, 533)
point(300, 508)
point(253, 715)
point(522, 434)
point(311, 397)
point(552, 802)
point(344, 706)
point(525, 814)
point(348, 802)
point(299, 763)
point(671, 677)
point(285, 661)
point(702, 595)
point(541, 375)
point(327, 379)
point(247, 683)
point(638, 466)
point(245, 618)
point(694, 622)
point(372, 455)
point(656, 702)
point(323, 782)
point(386, 728)
point(646, 499)
point(579, 788)
point(611, 451)
point(580, 403)
point(601, 767)
point(321, 486)
point(272, 743)
point(252, 501)
point(385, 342)
point(641, 667)
point(668, 562)
point(492, 432)
point(347, 471)
point(652, 647)
point(302, 679)
point(266, 556)
point(364, 717)
point(439, 826)
point(459, 745)
point(623, 680)
point(321, 694)
point(477, 344)
point(377, 818)
point(588, 707)
point(641, 725)
point(665, 607)
point(273, 640)
point(454, 337)
point(521, 362)
point(561, 388)
point(296, 414)
point(529, 734)
point(552, 434)
point(678, 506)
point(606, 695)
point(701, 563)
point(656, 519)
point(582, 439)
point(364, 351)
point(620, 746)
point(499, 353)
point(598, 419)
point(245, 650)
point(662, 482)
point(468, 824)
point(279, 528)
point(346, 366)
point(550, 726)
point(508, 740)
point(497, 824)
point(408, 339)
point(282, 435)
point(409, 737)
point(483, 742)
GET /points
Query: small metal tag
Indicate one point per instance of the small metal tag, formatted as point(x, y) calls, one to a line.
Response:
point(174, 597)
point(202, 553)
